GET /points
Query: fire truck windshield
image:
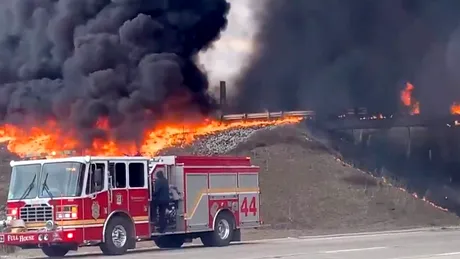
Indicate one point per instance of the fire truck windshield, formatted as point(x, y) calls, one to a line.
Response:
point(23, 181)
point(63, 179)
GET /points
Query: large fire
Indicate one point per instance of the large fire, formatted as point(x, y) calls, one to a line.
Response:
point(50, 141)
point(409, 101)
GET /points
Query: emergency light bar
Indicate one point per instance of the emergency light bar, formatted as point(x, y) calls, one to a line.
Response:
point(46, 155)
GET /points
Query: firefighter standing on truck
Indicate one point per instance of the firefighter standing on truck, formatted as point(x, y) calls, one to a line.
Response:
point(160, 199)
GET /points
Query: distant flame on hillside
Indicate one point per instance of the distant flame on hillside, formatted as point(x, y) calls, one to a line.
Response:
point(388, 183)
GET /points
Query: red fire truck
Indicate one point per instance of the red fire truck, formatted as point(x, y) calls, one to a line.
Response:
point(62, 204)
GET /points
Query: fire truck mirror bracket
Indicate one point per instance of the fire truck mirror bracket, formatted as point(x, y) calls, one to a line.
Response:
point(118, 213)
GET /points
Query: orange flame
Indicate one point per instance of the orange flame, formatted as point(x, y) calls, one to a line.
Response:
point(455, 108)
point(408, 100)
point(50, 140)
point(414, 105)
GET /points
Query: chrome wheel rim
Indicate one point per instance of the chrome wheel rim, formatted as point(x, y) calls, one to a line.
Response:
point(223, 229)
point(119, 236)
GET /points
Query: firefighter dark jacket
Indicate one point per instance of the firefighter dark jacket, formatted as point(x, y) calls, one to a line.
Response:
point(161, 191)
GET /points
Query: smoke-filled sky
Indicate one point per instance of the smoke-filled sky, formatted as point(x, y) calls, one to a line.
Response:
point(132, 61)
point(334, 54)
point(227, 57)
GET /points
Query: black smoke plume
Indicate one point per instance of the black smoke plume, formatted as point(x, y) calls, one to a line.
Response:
point(329, 55)
point(130, 61)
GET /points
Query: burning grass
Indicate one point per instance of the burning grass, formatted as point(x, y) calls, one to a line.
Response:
point(388, 182)
point(50, 141)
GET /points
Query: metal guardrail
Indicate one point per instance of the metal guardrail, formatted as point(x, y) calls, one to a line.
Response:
point(351, 119)
point(267, 115)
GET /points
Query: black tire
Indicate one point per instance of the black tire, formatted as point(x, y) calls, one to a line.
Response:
point(121, 226)
point(169, 242)
point(55, 251)
point(223, 231)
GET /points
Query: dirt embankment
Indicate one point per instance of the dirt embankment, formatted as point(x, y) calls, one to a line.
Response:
point(305, 187)
point(428, 165)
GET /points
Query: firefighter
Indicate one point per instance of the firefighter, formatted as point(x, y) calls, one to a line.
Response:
point(160, 199)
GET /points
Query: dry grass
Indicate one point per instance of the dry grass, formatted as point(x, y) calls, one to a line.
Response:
point(305, 187)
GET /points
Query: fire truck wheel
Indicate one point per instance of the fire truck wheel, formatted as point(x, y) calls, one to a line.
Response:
point(55, 251)
point(223, 231)
point(117, 234)
point(175, 241)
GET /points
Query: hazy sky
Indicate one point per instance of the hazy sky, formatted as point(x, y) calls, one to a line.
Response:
point(227, 57)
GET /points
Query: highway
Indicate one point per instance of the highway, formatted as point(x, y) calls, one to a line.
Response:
point(411, 244)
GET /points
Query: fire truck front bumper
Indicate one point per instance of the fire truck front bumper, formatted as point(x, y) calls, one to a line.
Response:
point(36, 238)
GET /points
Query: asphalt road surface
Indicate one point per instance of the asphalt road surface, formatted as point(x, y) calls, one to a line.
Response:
point(411, 244)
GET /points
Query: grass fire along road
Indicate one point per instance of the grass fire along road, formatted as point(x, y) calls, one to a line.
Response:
point(407, 244)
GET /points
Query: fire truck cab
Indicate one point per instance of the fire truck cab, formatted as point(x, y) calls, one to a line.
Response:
point(62, 204)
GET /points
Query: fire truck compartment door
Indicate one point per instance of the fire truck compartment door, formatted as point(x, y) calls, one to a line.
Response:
point(249, 199)
point(197, 214)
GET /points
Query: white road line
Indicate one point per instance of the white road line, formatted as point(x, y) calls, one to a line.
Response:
point(326, 238)
point(413, 231)
point(426, 256)
point(358, 236)
point(353, 250)
point(388, 232)
point(371, 234)
point(280, 256)
point(447, 254)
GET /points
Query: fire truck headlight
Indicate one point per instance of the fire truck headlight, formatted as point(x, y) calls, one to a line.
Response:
point(40, 237)
point(45, 237)
point(50, 225)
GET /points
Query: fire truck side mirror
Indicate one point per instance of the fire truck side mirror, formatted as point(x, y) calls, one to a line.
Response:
point(98, 176)
point(110, 182)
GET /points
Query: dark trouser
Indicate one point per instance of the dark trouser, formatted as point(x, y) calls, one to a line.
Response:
point(162, 216)
point(153, 211)
point(158, 211)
